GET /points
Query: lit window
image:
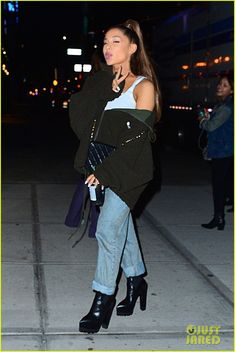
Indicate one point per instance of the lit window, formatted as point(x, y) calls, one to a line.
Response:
point(76, 52)
point(86, 68)
point(201, 64)
point(11, 7)
point(78, 68)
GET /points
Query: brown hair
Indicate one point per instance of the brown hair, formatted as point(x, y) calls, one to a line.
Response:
point(230, 79)
point(140, 61)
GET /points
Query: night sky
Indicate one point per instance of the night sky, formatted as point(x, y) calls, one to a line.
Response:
point(54, 17)
point(42, 25)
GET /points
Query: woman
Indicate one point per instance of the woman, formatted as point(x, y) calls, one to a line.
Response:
point(219, 127)
point(125, 95)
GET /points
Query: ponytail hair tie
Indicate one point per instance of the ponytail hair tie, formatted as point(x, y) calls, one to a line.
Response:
point(129, 26)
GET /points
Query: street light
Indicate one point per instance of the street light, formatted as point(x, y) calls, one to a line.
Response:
point(82, 68)
point(86, 68)
point(77, 52)
point(78, 68)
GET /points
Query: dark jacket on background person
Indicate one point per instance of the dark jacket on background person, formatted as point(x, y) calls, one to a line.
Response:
point(219, 129)
point(129, 168)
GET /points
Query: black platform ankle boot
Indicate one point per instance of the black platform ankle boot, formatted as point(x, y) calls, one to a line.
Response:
point(99, 314)
point(217, 221)
point(136, 287)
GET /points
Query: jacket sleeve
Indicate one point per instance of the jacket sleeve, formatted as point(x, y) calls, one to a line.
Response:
point(221, 116)
point(80, 112)
point(90, 101)
point(126, 167)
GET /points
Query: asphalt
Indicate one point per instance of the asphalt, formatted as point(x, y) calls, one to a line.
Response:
point(46, 285)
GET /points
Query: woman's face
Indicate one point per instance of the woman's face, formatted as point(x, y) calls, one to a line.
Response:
point(117, 48)
point(223, 89)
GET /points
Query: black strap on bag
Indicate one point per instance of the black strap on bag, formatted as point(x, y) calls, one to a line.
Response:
point(203, 145)
point(85, 215)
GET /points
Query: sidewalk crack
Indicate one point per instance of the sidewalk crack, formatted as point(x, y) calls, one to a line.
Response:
point(39, 275)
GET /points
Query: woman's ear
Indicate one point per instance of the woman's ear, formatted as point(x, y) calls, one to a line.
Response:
point(133, 48)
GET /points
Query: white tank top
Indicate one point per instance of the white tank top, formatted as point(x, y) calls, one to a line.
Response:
point(126, 100)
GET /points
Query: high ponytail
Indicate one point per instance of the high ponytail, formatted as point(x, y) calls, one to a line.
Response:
point(140, 63)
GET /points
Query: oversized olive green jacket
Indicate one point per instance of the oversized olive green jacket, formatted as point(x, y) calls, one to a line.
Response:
point(129, 168)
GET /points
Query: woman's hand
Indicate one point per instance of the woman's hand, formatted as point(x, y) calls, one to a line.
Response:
point(203, 114)
point(92, 180)
point(117, 80)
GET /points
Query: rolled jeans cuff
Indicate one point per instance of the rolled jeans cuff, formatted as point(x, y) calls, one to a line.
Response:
point(103, 289)
point(139, 269)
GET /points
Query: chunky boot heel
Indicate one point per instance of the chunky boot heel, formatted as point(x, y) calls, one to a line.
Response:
point(143, 298)
point(108, 315)
point(99, 314)
point(136, 287)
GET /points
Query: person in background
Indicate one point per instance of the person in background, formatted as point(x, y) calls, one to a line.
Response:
point(219, 127)
point(125, 96)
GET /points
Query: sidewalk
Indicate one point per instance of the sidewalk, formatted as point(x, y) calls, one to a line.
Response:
point(46, 283)
point(178, 212)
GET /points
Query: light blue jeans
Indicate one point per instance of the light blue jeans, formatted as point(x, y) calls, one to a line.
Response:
point(117, 244)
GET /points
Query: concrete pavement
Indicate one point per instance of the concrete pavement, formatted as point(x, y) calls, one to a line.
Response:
point(46, 283)
point(210, 251)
